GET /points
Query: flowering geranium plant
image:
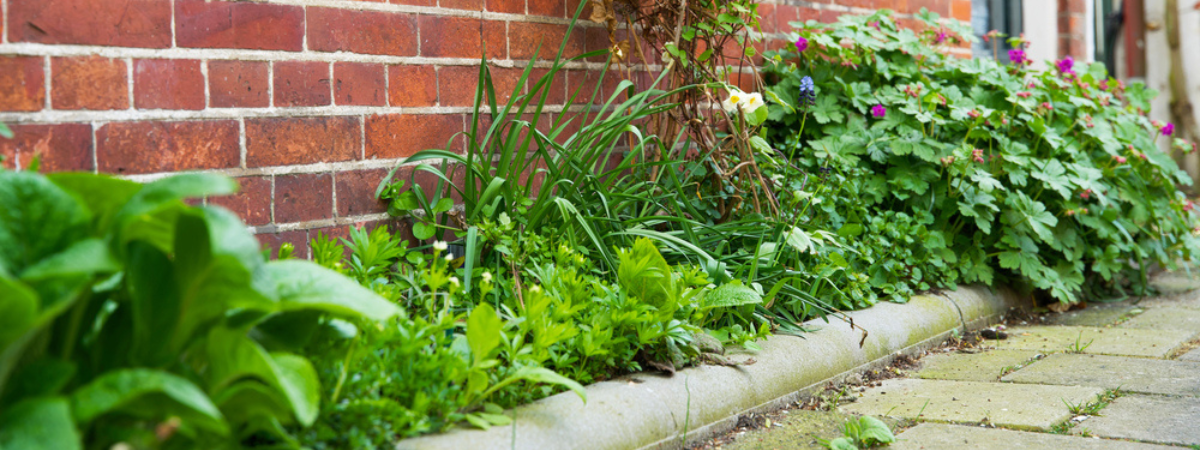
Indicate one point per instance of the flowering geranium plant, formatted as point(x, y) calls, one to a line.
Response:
point(1051, 178)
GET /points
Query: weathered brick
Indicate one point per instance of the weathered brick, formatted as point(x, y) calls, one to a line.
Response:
point(371, 32)
point(961, 10)
point(524, 38)
point(272, 242)
point(457, 84)
point(359, 84)
point(168, 84)
point(460, 37)
point(416, 2)
point(238, 84)
point(506, 6)
point(401, 135)
point(222, 24)
point(22, 83)
point(356, 192)
point(121, 23)
point(63, 147)
point(150, 147)
point(473, 5)
point(252, 202)
point(302, 83)
point(412, 85)
point(89, 83)
point(556, 91)
point(303, 197)
point(550, 8)
point(301, 140)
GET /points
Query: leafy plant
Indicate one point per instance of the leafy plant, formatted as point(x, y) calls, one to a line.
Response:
point(133, 317)
point(866, 432)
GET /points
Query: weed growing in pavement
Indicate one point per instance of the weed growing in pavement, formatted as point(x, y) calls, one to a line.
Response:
point(1093, 408)
point(866, 432)
point(1079, 346)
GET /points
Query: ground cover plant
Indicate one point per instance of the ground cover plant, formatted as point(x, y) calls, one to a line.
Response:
point(956, 170)
point(131, 317)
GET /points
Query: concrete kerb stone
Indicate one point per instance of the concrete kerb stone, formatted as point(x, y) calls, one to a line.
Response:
point(650, 411)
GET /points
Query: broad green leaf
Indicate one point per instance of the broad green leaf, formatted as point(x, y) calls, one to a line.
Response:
point(86, 257)
point(298, 285)
point(483, 332)
point(18, 311)
point(842, 443)
point(103, 194)
point(299, 378)
point(732, 294)
point(233, 357)
point(140, 393)
point(41, 378)
point(873, 431)
point(143, 212)
point(423, 231)
point(37, 219)
point(38, 424)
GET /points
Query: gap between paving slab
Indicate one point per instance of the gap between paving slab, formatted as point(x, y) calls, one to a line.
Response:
point(647, 411)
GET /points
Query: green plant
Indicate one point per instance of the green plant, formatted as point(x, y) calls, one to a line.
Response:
point(1093, 408)
point(132, 317)
point(1078, 346)
point(866, 432)
point(951, 170)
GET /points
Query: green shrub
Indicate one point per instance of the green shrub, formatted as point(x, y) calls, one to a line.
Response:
point(964, 170)
point(129, 316)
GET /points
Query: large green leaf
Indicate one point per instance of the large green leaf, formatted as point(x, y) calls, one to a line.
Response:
point(102, 194)
point(732, 294)
point(298, 285)
point(233, 357)
point(483, 331)
point(43, 423)
point(140, 393)
point(37, 219)
point(151, 210)
point(154, 303)
point(18, 310)
point(86, 257)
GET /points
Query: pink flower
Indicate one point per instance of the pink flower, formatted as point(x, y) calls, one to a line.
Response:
point(878, 111)
point(1024, 94)
point(941, 36)
point(1120, 159)
point(1066, 65)
point(1018, 57)
point(1085, 194)
point(973, 114)
point(801, 44)
point(1047, 105)
point(1168, 129)
point(977, 155)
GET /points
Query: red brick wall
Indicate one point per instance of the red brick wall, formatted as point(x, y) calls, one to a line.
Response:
point(1072, 29)
point(306, 102)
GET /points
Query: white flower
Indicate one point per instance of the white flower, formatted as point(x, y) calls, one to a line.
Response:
point(454, 280)
point(751, 102)
point(535, 288)
point(449, 257)
point(440, 246)
point(734, 100)
point(487, 277)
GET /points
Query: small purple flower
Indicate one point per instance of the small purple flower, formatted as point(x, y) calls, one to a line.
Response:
point(941, 36)
point(1017, 56)
point(801, 44)
point(878, 111)
point(1168, 129)
point(1066, 65)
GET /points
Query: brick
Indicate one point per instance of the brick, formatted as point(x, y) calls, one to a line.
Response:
point(221, 24)
point(89, 83)
point(238, 84)
point(252, 202)
point(120, 23)
point(961, 10)
point(506, 6)
point(397, 135)
point(359, 84)
point(168, 84)
point(305, 140)
point(150, 147)
point(302, 83)
point(549, 8)
point(557, 89)
point(272, 242)
point(64, 147)
point(370, 32)
point(303, 197)
point(356, 192)
point(524, 38)
point(473, 5)
point(416, 2)
point(457, 84)
point(459, 37)
point(22, 83)
point(412, 86)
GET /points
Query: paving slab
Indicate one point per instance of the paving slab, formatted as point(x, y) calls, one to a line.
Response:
point(1170, 283)
point(1193, 355)
point(983, 366)
point(1166, 318)
point(1164, 420)
point(1149, 376)
point(800, 430)
point(1104, 341)
point(933, 436)
point(1024, 406)
point(1092, 316)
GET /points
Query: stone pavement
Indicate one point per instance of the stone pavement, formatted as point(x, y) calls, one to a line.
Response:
point(1121, 376)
